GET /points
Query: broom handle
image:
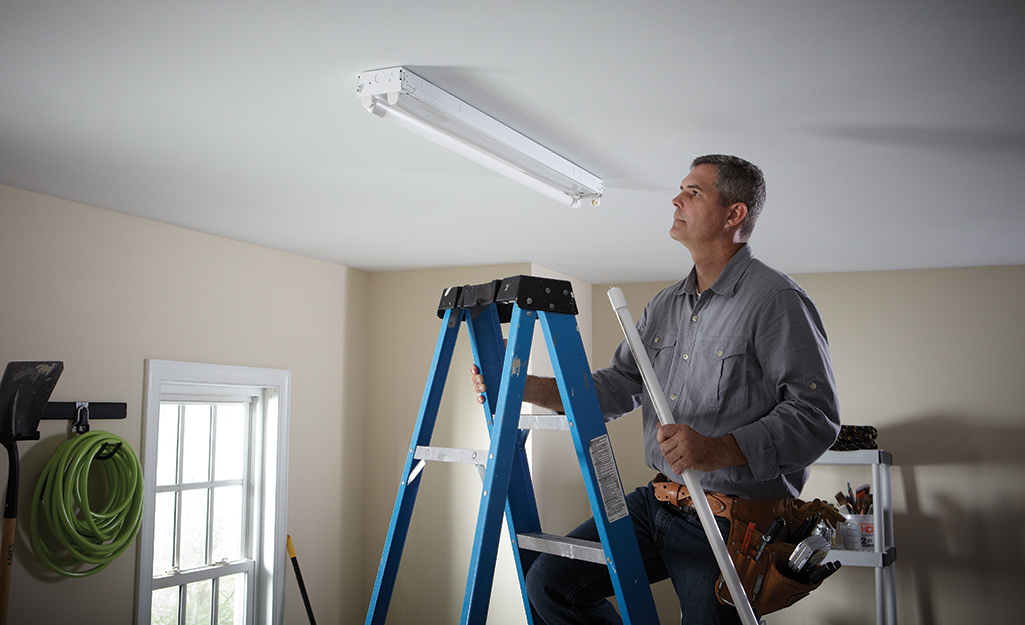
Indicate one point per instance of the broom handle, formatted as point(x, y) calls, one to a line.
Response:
point(298, 577)
point(10, 521)
point(5, 566)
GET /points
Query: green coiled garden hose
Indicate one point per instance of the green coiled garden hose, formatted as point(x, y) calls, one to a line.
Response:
point(90, 537)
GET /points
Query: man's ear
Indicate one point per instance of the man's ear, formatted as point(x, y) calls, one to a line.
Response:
point(738, 211)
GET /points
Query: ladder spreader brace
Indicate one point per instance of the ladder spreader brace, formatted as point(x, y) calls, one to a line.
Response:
point(519, 301)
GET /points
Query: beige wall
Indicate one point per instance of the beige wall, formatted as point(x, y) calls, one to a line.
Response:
point(103, 292)
point(929, 357)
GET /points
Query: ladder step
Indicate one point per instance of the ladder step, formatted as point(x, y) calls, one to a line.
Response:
point(448, 454)
point(572, 548)
point(543, 422)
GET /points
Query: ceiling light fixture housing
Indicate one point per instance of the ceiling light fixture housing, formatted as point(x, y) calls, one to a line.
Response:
point(400, 95)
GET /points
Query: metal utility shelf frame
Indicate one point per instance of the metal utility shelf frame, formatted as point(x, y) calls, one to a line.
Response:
point(885, 553)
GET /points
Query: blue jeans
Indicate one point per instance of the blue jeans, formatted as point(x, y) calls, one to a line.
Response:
point(673, 545)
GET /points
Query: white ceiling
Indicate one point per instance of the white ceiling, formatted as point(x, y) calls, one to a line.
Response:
point(891, 132)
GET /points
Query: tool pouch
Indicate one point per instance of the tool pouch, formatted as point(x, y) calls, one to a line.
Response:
point(767, 587)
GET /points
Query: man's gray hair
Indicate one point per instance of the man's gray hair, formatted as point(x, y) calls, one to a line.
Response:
point(737, 180)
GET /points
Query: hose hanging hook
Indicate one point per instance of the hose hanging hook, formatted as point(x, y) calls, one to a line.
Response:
point(103, 454)
point(81, 424)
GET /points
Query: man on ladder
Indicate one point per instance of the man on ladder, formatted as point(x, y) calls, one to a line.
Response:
point(741, 354)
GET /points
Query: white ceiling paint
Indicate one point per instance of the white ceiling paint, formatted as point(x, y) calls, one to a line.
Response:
point(891, 133)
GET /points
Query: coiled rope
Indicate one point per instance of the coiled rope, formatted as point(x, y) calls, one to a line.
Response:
point(90, 537)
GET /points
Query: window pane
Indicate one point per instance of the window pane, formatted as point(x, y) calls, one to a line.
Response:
point(231, 441)
point(164, 607)
point(197, 603)
point(167, 445)
point(228, 520)
point(196, 443)
point(193, 530)
point(231, 600)
point(163, 533)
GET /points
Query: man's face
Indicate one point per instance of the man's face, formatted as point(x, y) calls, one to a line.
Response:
point(698, 217)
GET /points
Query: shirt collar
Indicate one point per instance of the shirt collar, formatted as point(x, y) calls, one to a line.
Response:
point(726, 283)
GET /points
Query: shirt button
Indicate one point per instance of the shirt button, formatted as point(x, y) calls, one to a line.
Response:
point(673, 397)
point(694, 318)
point(813, 386)
point(718, 353)
point(686, 357)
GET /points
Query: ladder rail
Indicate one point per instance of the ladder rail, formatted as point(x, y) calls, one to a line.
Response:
point(499, 469)
point(604, 486)
point(521, 513)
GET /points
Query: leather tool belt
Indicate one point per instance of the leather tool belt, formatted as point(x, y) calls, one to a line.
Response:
point(767, 587)
point(678, 495)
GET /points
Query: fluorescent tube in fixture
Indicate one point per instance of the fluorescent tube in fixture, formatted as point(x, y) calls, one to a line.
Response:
point(400, 95)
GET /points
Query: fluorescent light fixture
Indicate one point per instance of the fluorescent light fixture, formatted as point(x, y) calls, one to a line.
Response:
point(400, 95)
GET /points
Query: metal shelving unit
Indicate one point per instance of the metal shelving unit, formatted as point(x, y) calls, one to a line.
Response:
point(885, 553)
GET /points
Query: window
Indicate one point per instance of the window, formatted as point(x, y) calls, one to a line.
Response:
point(212, 543)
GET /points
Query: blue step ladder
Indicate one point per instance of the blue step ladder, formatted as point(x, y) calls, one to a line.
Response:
point(520, 301)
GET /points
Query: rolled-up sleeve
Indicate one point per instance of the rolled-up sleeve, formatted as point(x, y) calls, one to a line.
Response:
point(793, 353)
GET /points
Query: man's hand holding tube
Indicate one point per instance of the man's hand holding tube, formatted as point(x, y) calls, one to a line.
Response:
point(683, 448)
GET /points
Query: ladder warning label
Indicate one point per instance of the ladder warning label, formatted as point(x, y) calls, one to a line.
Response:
point(609, 484)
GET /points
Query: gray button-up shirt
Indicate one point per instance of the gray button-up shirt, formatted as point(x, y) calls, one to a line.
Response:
point(747, 357)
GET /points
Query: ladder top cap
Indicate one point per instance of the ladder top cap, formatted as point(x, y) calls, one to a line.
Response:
point(527, 292)
point(534, 293)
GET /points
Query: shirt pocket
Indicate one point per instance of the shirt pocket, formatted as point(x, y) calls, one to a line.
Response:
point(719, 371)
point(659, 343)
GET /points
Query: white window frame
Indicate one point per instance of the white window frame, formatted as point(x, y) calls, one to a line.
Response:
point(184, 381)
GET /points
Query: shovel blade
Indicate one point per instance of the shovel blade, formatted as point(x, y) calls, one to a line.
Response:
point(24, 390)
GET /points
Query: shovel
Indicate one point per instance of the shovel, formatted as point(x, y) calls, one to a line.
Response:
point(24, 390)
